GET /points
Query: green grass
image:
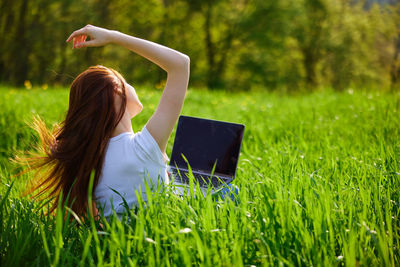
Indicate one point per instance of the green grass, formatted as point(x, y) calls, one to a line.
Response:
point(319, 178)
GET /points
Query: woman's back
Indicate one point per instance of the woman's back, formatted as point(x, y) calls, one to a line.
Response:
point(130, 159)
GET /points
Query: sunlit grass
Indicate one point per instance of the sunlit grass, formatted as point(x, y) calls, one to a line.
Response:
point(319, 185)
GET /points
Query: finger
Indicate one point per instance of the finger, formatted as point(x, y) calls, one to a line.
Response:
point(82, 31)
point(83, 38)
point(74, 34)
point(70, 37)
point(75, 41)
point(90, 43)
point(79, 40)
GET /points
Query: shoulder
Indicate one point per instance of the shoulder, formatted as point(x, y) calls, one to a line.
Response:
point(147, 147)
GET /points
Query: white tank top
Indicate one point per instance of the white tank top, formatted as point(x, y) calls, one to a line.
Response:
point(129, 160)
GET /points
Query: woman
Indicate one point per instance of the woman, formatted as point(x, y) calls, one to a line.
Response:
point(96, 136)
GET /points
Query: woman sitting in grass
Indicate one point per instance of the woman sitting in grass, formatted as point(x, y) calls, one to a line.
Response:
point(96, 137)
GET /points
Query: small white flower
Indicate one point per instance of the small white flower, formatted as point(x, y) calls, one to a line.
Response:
point(102, 233)
point(150, 240)
point(185, 231)
point(216, 230)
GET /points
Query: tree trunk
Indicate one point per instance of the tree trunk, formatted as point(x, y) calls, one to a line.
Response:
point(395, 68)
point(210, 48)
point(309, 65)
point(7, 18)
point(20, 48)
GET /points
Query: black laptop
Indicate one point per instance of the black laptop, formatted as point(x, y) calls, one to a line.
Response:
point(209, 146)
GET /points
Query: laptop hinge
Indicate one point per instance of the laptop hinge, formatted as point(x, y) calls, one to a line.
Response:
point(201, 173)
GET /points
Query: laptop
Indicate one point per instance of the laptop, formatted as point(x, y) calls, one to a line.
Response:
point(210, 147)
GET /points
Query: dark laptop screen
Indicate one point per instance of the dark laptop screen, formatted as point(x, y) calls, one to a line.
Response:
point(203, 142)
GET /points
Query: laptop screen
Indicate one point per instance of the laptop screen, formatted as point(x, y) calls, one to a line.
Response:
point(204, 142)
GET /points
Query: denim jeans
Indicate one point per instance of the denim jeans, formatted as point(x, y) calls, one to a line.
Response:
point(229, 191)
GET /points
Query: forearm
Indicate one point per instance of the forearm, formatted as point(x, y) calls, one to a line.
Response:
point(168, 59)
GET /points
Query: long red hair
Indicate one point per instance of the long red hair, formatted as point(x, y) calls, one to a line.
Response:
point(66, 156)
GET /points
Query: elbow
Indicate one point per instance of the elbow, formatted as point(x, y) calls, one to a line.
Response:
point(187, 65)
point(179, 68)
point(185, 62)
point(182, 64)
point(186, 59)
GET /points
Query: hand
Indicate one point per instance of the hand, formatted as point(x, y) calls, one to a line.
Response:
point(98, 37)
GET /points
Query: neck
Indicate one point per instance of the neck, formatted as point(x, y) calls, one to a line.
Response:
point(124, 125)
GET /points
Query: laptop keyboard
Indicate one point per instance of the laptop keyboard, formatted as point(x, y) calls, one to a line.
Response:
point(204, 180)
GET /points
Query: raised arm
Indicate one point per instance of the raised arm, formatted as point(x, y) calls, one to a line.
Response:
point(176, 65)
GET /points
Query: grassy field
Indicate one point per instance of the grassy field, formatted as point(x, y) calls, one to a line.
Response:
point(319, 177)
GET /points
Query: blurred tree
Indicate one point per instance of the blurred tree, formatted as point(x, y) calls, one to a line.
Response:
point(355, 32)
point(395, 66)
point(267, 54)
point(236, 45)
point(7, 17)
point(17, 49)
point(220, 29)
point(311, 32)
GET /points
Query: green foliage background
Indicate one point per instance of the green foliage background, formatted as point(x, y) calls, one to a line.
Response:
point(285, 45)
